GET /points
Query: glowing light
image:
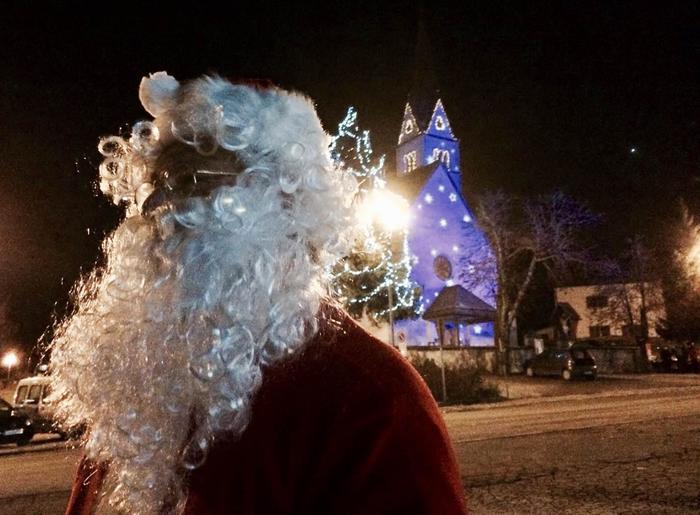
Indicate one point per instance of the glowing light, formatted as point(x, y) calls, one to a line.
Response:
point(633, 150)
point(449, 282)
point(443, 222)
point(383, 213)
point(477, 329)
point(466, 219)
point(453, 197)
point(433, 252)
point(441, 188)
point(455, 248)
point(9, 360)
point(428, 198)
point(385, 207)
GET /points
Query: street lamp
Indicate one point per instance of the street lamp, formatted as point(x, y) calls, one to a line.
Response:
point(391, 212)
point(9, 360)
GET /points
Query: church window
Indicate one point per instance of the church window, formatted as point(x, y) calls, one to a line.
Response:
point(445, 157)
point(408, 126)
point(410, 160)
point(439, 123)
point(442, 267)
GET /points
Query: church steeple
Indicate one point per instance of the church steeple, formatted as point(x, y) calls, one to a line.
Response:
point(426, 135)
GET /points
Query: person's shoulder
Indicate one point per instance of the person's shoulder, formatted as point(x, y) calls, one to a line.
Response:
point(344, 354)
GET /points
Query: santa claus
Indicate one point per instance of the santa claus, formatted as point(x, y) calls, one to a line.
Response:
point(212, 371)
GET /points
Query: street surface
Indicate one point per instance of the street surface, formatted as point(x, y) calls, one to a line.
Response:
point(577, 448)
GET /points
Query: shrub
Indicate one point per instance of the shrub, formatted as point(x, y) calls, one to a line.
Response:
point(464, 381)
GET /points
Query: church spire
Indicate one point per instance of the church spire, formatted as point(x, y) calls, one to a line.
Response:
point(425, 87)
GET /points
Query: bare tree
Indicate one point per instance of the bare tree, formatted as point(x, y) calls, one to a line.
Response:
point(522, 235)
point(8, 323)
point(634, 294)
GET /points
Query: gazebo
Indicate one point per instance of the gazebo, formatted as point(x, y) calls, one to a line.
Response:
point(457, 306)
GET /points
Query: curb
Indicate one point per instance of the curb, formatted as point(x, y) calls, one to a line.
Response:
point(39, 447)
point(525, 401)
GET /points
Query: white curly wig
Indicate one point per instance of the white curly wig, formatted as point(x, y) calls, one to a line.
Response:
point(234, 213)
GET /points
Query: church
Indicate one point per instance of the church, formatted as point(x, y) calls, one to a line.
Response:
point(428, 175)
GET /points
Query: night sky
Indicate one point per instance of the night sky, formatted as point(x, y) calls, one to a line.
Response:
point(542, 98)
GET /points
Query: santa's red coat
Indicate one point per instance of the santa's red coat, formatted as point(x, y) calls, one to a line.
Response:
point(345, 427)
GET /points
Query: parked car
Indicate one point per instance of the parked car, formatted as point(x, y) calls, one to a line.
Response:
point(15, 427)
point(567, 363)
point(30, 399)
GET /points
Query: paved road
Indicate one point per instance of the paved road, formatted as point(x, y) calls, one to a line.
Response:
point(618, 454)
point(624, 452)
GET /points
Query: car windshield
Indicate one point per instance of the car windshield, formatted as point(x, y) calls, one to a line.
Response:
point(34, 393)
point(580, 354)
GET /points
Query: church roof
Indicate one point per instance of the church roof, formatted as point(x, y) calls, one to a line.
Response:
point(457, 303)
point(411, 184)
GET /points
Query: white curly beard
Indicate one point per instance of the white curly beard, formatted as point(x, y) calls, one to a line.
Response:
point(165, 349)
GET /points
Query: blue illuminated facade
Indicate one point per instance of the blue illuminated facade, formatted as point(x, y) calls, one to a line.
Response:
point(429, 177)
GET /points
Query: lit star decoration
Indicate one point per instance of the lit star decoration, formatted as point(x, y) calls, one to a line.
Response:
point(453, 197)
point(428, 198)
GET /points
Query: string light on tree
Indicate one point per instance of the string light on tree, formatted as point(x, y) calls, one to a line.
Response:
point(351, 148)
point(374, 279)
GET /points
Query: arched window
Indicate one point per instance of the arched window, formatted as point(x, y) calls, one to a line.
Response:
point(410, 159)
point(445, 157)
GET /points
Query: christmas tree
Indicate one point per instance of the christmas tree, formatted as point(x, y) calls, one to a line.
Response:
point(374, 279)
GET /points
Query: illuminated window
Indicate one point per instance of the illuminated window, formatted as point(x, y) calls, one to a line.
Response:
point(410, 160)
point(445, 157)
point(408, 126)
point(439, 123)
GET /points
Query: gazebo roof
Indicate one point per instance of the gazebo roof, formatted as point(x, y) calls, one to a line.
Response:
point(454, 302)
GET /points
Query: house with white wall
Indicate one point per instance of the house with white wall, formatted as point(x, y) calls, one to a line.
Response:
point(609, 310)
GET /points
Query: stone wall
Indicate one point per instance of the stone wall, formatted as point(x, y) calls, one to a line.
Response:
point(610, 360)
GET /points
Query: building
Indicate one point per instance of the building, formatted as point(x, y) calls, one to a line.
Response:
point(429, 176)
point(609, 311)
